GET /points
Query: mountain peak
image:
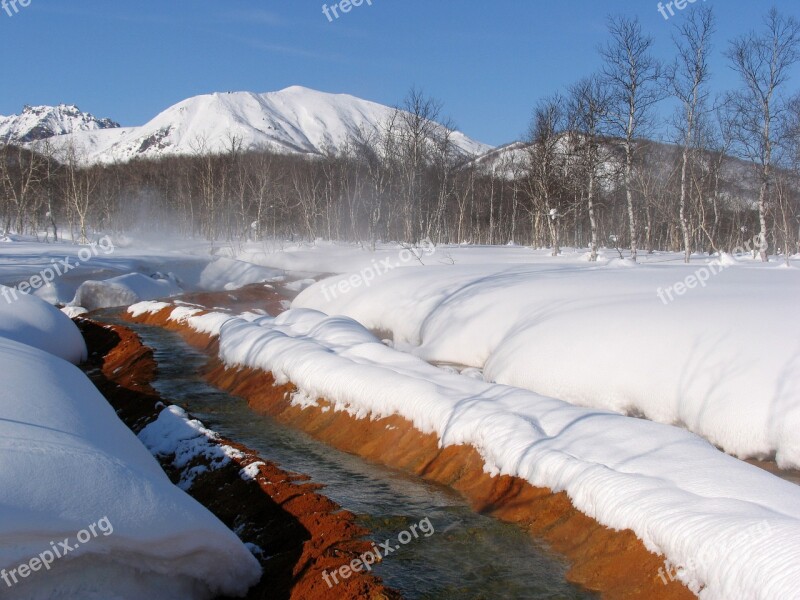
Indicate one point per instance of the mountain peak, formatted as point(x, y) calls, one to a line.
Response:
point(42, 122)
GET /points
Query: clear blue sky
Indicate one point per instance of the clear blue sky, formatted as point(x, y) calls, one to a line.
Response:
point(488, 61)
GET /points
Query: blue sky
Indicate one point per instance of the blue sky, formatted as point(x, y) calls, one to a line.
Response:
point(488, 62)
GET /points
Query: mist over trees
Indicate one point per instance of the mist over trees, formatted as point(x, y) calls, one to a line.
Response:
point(585, 175)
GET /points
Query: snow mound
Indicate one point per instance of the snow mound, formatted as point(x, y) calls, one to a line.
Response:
point(709, 348)
point(229, 274)
point(69, 462)
point(124, 290)
point(727, 260)
point(621, 263)
point(32, 321)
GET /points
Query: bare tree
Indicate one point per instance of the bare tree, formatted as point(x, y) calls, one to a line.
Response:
point(546, 154)
point(588, 109)
point(418, 126)
point(19, 178)
point(763, 62)
point(632, 74)
point(688, 78)
point(82, 181)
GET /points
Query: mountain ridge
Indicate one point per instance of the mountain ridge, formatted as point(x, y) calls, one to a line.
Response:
point(295, 120)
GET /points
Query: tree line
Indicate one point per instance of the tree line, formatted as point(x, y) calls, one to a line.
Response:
point(585, 175)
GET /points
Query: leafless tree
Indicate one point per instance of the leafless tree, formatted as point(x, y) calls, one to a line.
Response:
point(82, 182)
point(633, 75)
point(588, 109)
point(763, 62)
point(688, 81)
point(546, 154)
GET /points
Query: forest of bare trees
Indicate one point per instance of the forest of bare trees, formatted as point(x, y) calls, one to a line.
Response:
point(587, 174)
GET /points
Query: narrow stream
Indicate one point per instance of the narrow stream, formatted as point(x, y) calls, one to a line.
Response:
point(469, 557)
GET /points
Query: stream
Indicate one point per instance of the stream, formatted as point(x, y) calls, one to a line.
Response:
point(469, 556)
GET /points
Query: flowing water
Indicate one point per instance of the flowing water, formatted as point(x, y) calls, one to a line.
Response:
point(469, 556)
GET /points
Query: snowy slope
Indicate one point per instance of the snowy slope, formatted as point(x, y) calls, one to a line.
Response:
point(295, 120)
point(41, 122)
point(734, 529)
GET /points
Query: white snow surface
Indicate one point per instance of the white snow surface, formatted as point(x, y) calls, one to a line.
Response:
point(174, 434)
point(733, 528)
point(722, 360)
point(68, 462)
point(228, 274)
point(295, 120)
point(32, 321)
point(124, 291)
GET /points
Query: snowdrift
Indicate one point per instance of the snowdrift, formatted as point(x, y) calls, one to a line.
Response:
point(733, 529)
point(68, 462)
point(722, 360)
point(29, 320)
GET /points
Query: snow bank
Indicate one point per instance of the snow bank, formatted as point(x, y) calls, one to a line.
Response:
point(124, 290)
point(722, 359)
point(68, 461)
point(173, 433)
point(734, 527)
point(29, 320)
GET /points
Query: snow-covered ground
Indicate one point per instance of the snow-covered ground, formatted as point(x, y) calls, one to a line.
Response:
point(544, 364)
point(72, 471)
point(733, 528)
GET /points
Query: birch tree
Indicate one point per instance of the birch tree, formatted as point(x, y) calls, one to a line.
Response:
point(633, 76)
point(588, 108)
point(763, 62)
point(688, 78)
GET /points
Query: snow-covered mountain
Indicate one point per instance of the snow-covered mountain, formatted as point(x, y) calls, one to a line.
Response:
point(295, 120)
point(508, 159)
point(41, 122)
